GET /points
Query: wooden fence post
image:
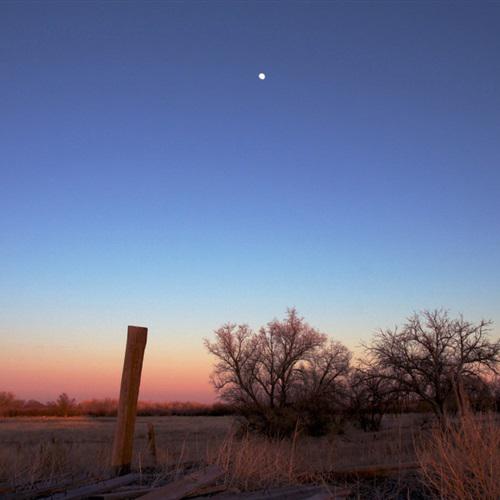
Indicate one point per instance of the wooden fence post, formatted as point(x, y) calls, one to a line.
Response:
point(129, 393)
point(152, 444)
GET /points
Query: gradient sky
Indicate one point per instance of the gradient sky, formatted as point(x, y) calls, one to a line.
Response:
point(149, 177)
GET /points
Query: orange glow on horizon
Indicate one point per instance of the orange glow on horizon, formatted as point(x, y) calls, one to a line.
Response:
point(175, 374)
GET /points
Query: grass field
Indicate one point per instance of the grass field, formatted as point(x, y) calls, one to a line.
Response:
point(39, 448)
point(34, 449)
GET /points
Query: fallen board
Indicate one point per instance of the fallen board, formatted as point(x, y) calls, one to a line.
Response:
point(187, 485)
point(140, 492)
point(355, 473)
point(123, 495)
point(39, 490)
point(285, 493)
point(95, 489)
point(5, 488)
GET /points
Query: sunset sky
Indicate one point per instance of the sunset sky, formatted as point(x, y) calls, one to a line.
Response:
point(148, 177)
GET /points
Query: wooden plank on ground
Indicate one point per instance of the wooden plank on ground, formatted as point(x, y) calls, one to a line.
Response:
point(124, 494)
point(332, 494)
point(285, 493)
point(26, 493)
point(340, 493)
point(186, 485)
point(5, 488)
point(46, 488)
point(371, 471)
point(207, 490)
point(95, 489)
point(361, 472)
point(320, 496)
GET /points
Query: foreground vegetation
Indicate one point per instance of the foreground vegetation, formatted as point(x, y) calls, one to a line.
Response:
point(461, 461)
point(35, 449)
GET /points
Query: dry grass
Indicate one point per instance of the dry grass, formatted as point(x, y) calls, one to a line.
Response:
point(254, 462)
point(462, 460)
point(50, 449)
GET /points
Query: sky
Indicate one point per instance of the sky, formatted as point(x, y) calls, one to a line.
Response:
point(148, 177)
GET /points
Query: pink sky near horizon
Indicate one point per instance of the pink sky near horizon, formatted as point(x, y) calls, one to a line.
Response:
point(42, 373)
point(184, 386)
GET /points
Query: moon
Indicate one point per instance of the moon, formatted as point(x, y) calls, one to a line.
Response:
point(262, 76)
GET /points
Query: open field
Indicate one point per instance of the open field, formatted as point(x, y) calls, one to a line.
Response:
point(38, 448)
point(34, 449)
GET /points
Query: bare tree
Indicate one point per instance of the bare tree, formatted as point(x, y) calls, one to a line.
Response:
point(321, 394)
point(431, 355)
point(323, 372)
point(7, 400)
point(371, 397)
point(65, 405)
point(284, 362)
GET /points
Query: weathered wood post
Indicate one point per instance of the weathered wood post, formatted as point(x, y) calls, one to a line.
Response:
point(152, 444)
point(129, 393)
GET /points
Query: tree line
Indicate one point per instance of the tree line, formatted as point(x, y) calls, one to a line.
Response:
point(288, 374)
point(65, 406)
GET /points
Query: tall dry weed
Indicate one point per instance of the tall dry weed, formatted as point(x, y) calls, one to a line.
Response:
point(51, 461)
point(461, 460)
point(254, 462)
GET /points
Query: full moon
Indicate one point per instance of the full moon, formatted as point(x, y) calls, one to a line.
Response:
point(262, 76)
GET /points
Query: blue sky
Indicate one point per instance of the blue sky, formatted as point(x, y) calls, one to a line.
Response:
point(149, 177)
